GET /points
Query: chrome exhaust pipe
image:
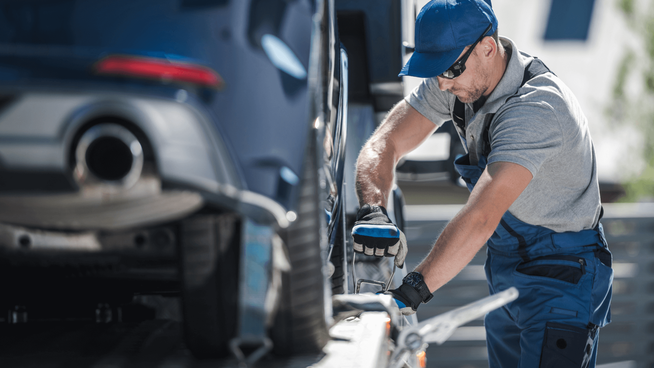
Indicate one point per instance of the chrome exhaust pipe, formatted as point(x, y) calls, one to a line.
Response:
point(108, 154)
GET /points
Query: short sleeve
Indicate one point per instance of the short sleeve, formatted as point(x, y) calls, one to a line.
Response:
point(430, 101)
point(527, 134)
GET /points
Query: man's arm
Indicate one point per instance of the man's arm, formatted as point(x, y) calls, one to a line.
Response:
point(499, 186)
point(401, 132)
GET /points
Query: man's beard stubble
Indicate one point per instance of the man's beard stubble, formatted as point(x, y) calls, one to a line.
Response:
point(471, 97)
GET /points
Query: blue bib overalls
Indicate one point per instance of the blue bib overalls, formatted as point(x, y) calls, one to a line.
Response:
point(564, 280)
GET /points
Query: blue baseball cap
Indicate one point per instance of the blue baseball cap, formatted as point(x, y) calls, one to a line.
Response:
point(443, 29)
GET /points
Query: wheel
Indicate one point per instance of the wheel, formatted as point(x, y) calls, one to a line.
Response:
point(300, 324)
point(338, 230)
point(209, 259)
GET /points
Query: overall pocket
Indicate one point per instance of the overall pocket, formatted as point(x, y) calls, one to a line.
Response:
point(602, 292)
point(567, 346)
point(567, 268)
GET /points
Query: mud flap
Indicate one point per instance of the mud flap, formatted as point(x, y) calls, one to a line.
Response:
point(567, 346)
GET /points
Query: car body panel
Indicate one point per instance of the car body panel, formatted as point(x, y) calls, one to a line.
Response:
point(227, 39)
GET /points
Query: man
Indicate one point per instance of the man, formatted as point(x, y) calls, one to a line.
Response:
point(534, 196)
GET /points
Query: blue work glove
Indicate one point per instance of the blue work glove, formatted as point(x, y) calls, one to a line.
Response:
point(411, 293)
point(376, 235)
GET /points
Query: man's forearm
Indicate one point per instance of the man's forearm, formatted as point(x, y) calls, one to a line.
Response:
point(497, 188)
point(374, 175)
point(375, 168)
point(402, 131)
point(456, 246)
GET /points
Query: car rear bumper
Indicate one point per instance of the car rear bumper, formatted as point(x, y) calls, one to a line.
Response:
point(187, 164)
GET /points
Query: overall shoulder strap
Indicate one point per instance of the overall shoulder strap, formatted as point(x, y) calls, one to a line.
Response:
point(535, 68)
point(459, 117)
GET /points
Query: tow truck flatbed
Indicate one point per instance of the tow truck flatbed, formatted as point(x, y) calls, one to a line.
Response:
point(381, 337)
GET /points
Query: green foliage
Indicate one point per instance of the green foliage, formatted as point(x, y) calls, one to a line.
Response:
point(623, 73)
point(648, 34)
point(640, 188)
point(638, 110)
point(627, 7)
point(649, 80)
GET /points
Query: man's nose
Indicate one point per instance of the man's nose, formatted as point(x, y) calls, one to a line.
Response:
point(444, 84)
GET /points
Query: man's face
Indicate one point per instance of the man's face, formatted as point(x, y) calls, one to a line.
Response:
point(470, 85)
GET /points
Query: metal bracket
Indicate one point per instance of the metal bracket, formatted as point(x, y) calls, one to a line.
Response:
point(384, 285)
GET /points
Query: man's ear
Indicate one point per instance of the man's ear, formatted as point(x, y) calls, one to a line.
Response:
point(488, 47)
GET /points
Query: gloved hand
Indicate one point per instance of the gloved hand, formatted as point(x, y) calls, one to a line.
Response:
point(375, 234)
point(411, 293)
point(406, 305)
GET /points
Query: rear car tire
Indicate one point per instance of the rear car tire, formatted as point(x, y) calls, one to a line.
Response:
point(300, 324)
point(209, 259)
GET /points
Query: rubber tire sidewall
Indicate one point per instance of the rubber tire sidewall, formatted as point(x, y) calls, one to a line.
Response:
point(300, 324)
point(209, 255)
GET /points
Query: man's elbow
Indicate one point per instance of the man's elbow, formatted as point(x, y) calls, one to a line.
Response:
point(484, 222)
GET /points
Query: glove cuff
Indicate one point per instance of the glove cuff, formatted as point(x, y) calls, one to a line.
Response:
point(368, 209)
point(411, 296)
point(416, 282)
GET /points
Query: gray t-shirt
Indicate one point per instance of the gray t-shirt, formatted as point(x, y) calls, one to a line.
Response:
point(539, 126)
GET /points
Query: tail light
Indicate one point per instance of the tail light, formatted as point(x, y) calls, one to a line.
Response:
point(158, 69)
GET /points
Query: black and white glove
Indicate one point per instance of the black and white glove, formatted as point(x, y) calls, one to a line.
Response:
point(411, 293)
point(376, 235)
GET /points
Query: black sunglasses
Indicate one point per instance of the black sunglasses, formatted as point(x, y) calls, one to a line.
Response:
point(460, 65)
